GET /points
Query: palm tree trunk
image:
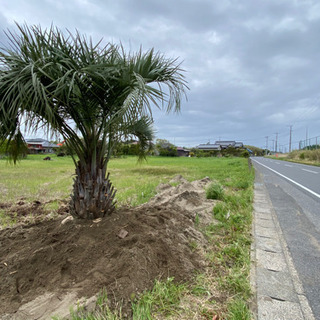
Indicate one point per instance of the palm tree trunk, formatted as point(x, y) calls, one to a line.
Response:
point(93, 196)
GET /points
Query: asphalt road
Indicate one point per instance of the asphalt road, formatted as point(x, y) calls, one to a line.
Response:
point(294, 191)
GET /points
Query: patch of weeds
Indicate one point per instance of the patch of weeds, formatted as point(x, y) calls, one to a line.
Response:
point(215, 192)
point(237, 282)
point(207, 313)
point(193, 245)
point(201, 286)
point(197, 220)
point(163, 299)
point(7, 220)
point(221, 211)
point(234, 163)
point(238, 310)
point(241, 184)
point(52, 206)
point(236, 201)
point(230, 238)
point(199, 291)
point(144, 194)
point(235, 254)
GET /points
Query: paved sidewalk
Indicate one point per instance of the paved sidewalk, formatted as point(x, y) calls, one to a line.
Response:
point(278, 291)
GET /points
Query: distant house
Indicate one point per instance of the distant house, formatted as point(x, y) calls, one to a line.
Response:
point(238, 145)
point(220, 145)
point(183, 152)
point(227, 144)
point(209, 147)
point(40, 146)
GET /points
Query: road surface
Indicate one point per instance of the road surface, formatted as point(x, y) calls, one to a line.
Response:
point(294, 190)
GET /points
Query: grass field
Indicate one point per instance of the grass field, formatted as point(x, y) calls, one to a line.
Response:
point(229, 236)
point(35, 179)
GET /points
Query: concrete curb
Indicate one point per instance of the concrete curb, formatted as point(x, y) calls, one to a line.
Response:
point(278, 292)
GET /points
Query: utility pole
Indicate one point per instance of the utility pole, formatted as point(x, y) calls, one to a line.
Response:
point(306, 137)
point(290, 138)
point(267, 137)
point(273, 145)
point(276, 141)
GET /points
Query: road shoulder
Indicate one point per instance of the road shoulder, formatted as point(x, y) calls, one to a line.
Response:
point(277, 290)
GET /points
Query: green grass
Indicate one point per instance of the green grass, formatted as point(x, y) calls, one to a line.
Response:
point(163, 299)
point(228, 251)
point(35, 179)
point(231, 258)
point(215, 192)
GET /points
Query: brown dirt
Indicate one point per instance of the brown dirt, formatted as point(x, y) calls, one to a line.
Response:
point(46, 266)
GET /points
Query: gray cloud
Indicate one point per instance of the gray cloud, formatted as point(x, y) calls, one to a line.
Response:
point(252, 67)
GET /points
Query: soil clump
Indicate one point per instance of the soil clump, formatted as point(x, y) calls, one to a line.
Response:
point(45, 267)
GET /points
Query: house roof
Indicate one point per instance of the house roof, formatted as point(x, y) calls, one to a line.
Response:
point(225, 143)
point(38, 140)
point(209, 146)
point(42, 142)
point(238, 144)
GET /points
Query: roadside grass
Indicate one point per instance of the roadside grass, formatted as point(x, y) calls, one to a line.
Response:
point(223, 290)
point(308, 157)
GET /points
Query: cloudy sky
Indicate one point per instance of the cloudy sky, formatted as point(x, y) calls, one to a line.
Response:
point(252, 66)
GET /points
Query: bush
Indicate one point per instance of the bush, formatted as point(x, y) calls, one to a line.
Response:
point(215, 191)
point(302, 156)
point(64, 150)
point(245, 154)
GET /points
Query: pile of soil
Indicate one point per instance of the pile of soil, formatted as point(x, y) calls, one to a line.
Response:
point(47, 266)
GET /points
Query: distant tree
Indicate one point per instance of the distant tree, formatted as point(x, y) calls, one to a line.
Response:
point(130, 148)
point(311, 147)
point(94, 97)
point(194, 152)
point(15, 147)
point(256, 151)
point(165, 148)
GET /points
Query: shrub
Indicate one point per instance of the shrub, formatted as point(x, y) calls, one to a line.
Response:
point(245, 154)
point(215, 191)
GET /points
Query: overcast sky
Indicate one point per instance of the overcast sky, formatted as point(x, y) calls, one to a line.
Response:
point(252, 66)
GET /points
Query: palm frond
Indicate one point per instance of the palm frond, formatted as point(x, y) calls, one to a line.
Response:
point(68, 84)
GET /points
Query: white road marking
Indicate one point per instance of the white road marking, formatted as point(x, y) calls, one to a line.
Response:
point(296, 183)
point(288, 165)
point(310, 171)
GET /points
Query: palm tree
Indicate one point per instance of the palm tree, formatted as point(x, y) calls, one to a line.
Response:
point(92, 96)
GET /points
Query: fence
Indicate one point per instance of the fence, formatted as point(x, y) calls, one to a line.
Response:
point(310, 144)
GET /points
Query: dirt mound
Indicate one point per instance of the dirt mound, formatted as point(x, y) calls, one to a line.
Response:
point(45, 267)
point(187, 196)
